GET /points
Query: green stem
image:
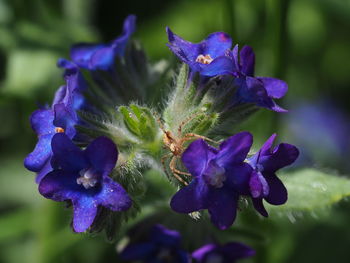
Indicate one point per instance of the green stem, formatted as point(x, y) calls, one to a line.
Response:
point(229, 17)
point(277, 35)
point(277, 40)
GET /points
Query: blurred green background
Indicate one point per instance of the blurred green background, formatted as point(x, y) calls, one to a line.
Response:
point(305, 42)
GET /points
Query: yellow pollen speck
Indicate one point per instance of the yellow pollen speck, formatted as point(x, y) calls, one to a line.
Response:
point(59, 130)
point(207, 59)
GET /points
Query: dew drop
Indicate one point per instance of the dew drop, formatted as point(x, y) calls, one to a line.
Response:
point(319, 186)
point(291, 217)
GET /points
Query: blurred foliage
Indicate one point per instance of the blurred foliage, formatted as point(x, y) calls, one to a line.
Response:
point(318, 191)
point(305, 42)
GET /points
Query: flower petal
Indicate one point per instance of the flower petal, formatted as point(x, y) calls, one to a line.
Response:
point(238, 176)
point(139, 251)
point(36, 160)
point(186, 51)
point(67, 155)
point(82, 53)
point(267, 146)
point(164, 236)
point(47, 168)
point(66, 119)
point(272, 105)
point(197, 156)
point(278, 193)
point(70, 68)
point(259, 206)
point(191, 198)
point(251, 90)
point(85, 210)
point(119, 43)
point(264, 150)
point(234, 149)
point(234, 55)
point(60, 186)
point(235, 250)
point(220, 66)
point(283, 155)
point(103, 58)
point(59, 95)
point(113, 196)
point(42, 122)
point(275, 88)
point(222, 207)
point(102, 154)
point(216, 44)
point(259, 188)
point(201, 252)
point(247, 60)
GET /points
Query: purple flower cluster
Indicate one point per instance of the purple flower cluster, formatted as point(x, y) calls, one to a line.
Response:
point(163, 246)
point(221, 176)
point(64, 172)
point(214, 57)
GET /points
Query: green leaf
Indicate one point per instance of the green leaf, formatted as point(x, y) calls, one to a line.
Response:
point(310, 189)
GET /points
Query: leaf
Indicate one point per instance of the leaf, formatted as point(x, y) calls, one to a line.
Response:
point(310, 189)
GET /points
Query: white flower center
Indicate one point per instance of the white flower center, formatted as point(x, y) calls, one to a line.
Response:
point(207, 59)
point(87, 179)
point(215, 175)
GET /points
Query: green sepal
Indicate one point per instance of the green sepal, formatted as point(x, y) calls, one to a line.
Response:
point(140, 122)
point(129, 120)
point(105, 125)
point(206, 123)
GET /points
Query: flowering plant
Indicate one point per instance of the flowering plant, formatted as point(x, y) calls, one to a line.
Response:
point(104, 134)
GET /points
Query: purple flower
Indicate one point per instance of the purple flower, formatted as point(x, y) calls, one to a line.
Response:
point(220, 176)
point(82, 177)
point(264, 184)
point(259, 90)
point(228, 253)
point(207, 57)
point(163, 246)
point(101, 56)
point(76, 86)
point(61, 117)
point(46, 123)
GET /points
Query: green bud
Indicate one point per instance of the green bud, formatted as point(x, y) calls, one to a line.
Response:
point(140, 122)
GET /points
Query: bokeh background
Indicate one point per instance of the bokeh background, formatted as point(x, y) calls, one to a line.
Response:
point(305, 42)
